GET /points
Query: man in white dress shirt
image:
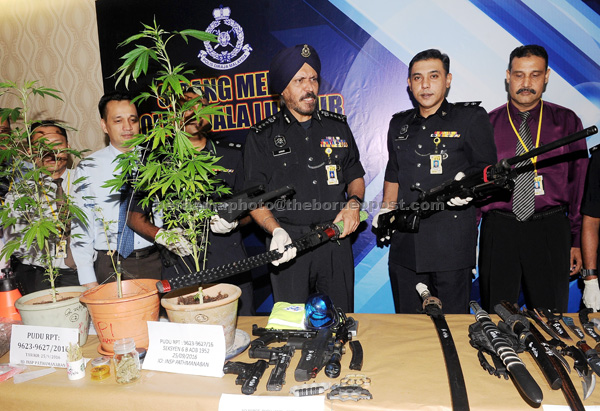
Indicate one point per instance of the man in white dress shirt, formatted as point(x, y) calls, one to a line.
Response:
point(95, 247)
point(28, 264)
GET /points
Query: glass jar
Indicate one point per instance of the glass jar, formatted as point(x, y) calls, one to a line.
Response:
point(127, 361)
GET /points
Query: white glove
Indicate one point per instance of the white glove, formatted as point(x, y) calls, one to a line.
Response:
point(174, 241)
point(219, 225)
point(280, 239)
point(375, 222)
point(591, 294)
point(457, 201)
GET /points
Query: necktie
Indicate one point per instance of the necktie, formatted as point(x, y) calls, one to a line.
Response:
point(125, 239)
point(61, 204)
point(524, 193)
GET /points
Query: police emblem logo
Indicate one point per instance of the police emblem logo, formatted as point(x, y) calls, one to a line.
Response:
point(305, 51)
point(230, 37)
point(404, 129)
point(279, 141)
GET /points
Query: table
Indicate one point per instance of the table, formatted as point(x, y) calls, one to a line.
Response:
point(403, 358)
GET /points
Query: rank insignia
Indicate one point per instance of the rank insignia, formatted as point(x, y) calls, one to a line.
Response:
point(279, 141)
point(445, 134)
point(334, 142)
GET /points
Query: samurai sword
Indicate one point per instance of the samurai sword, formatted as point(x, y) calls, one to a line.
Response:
point(521, 377)
point(306, 242)
point(433, 308)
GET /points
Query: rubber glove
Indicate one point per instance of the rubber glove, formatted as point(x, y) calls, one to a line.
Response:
point(280, 239)
point(591, 294)
point(375, 222)
point(219, 225)
point(457, 201)
point(174, 241)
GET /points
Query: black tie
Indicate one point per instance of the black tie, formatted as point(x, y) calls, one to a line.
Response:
point(524, 194)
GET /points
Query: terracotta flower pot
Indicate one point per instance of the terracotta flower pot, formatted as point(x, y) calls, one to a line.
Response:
point(221, 312)
point(38, 309)
point(116, 318)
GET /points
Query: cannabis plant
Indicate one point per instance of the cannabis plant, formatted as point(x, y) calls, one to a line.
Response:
point(36, 217)
point(163, 164)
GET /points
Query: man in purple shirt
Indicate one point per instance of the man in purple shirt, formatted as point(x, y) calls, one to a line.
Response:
point(530, 240)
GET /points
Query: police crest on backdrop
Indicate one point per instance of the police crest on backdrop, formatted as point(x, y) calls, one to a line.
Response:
point(230, 37)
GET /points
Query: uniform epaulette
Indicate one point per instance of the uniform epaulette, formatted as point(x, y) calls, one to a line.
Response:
point(468, 103)
point(401, 113)
point(332, 115)
point(594, 149)
point(263, 125)
point(228, 144)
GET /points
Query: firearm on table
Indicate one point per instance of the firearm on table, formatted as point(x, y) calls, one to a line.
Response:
point(509, 357)
point(476, 185)
point(248, 375)
point(320, 348)
point(278, 356)
point(306, 242)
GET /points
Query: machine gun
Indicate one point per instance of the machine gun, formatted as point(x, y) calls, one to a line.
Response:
point(306, 242)
point(495, 177)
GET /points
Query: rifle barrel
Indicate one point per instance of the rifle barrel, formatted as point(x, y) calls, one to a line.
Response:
point(586, 132)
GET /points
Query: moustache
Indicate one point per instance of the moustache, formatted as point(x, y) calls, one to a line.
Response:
point(310, 94)
point(532, 91)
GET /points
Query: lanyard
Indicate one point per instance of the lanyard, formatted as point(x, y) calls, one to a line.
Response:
point(537, 140)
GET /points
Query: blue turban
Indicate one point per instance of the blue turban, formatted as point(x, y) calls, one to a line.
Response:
point(287, 62)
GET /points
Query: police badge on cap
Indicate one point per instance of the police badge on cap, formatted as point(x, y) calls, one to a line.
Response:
point(287, 62)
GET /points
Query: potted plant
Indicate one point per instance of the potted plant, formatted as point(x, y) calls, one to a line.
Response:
point(36, 219)
point(164, 164)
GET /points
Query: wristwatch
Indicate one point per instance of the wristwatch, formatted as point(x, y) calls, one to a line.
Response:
point(357, 198)
point(586, 273)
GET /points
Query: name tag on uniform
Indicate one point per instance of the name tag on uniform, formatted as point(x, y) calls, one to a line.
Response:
point(538, 184)
point(61, 249)
point(282, 151)
point(332, 178)
point(436, 164)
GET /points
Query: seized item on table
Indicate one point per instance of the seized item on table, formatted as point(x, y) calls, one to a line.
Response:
point(503, 349)
point(520, 326)
point(248, 374)
point(433, 308)
point(309, 389)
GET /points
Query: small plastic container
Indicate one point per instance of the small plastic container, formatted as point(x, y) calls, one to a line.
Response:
point(100, 372)
point(127, 361)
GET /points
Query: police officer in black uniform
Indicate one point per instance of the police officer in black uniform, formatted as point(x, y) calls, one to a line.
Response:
point(590, 209)
point(224, 239)
point(428, 145)
point(314, 151)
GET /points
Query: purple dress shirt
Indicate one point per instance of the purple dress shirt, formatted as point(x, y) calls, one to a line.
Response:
point(563, 178)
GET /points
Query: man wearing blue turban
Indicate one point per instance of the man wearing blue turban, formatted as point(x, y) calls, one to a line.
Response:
point(314, 151)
